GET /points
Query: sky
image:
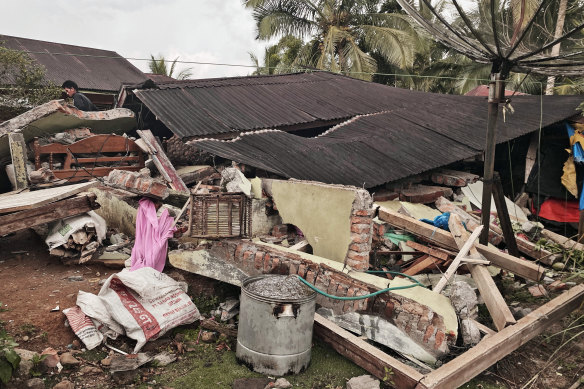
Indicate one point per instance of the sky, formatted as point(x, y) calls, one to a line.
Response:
point(217, 31)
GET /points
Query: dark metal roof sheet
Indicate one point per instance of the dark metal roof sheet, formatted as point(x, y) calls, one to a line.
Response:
point(256, 102)
point(374, 149)
point(91, 69)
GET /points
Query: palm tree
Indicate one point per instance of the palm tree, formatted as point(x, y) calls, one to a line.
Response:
point(158, 66)
point(341, 35)
point(278, 58)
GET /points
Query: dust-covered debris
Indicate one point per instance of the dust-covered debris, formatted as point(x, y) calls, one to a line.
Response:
point(279, 287)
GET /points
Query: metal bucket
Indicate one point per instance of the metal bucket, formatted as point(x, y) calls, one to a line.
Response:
point(274, 335)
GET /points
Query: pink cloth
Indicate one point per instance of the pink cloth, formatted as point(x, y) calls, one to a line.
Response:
point(152, 236)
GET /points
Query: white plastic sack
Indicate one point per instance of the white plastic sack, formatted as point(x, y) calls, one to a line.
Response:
point(144, 304)
point(60, 231)
point(84, 327)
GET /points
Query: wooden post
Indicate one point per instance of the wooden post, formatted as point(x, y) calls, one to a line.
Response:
point(495, 86)
point(503, 214)
point(494, 301)
point(18, 153)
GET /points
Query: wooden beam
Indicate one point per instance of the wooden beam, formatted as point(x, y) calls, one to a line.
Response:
point(494, 347)
point(47, 213)
point(19, 157)
point(443, 238)
point(435, 252)
point(521, 267)
point(428, 261)
point(464, 249)
point(500, 312)
point(428, 232)
point(365, 355)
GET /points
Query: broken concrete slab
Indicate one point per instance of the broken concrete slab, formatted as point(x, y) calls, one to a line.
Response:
point(379, 330)
point(233, 181)
point(56, 116)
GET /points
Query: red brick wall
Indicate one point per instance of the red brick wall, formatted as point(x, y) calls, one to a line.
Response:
point(417, 320)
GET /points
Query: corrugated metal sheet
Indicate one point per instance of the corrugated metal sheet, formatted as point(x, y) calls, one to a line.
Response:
point(219, 106)
point(425, 132)
point(91, 69)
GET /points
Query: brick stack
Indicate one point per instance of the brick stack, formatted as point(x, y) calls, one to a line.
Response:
point(136, 183)
point(181, 153)
point(361, 231)
point(417, 320)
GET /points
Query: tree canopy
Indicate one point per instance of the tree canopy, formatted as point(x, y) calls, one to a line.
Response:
point(339, 35)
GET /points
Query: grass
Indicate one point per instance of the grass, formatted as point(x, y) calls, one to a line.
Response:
point(205, 367)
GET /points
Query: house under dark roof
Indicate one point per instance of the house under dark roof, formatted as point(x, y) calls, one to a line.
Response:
point(92, 69)
point(381, 133)
point(371, 150)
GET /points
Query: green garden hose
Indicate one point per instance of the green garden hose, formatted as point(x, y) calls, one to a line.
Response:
point(417, 283)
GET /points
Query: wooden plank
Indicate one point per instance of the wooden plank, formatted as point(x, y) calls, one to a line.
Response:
point(464, 249)
point(483, 328)
point(435, 252)
point(427, 262)
point(162, 162)
point(500, 312)
point(301, 246)
point(365, 355)
point(29, 200)
point(445, 239)
point(47, 213)
point(430, 233)
point(494, 347)
point(19, 157)
point(521, 267)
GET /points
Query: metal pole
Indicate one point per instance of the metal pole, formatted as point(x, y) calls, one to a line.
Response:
point(495, 90)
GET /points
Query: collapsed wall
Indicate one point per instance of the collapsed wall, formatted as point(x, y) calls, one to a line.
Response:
point(427, 318)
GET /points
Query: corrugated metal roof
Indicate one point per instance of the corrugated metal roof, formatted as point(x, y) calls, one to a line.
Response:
point(424, 132)
point(195, 108)
point(91, 69)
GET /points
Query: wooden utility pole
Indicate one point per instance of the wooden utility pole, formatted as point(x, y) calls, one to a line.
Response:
point(496, 91)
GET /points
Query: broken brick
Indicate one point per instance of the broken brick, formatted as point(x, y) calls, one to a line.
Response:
point(133, 182)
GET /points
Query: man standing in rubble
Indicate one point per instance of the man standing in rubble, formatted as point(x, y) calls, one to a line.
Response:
point(80, 101)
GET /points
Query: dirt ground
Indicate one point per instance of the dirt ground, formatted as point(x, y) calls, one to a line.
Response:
point(35, 287)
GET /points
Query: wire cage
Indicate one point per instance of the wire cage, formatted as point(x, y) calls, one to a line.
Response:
point(220, 215)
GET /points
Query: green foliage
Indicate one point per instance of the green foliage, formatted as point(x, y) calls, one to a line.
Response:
point(22, 81)
point(341, 36)
point(574, 259)
point(388, 376)
point(9, 359)
point(36, 370)
point(159, 66)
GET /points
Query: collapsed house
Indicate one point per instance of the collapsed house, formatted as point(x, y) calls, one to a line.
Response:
point(339, 167)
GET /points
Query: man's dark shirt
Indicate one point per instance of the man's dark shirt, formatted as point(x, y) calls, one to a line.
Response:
point(82, 103)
